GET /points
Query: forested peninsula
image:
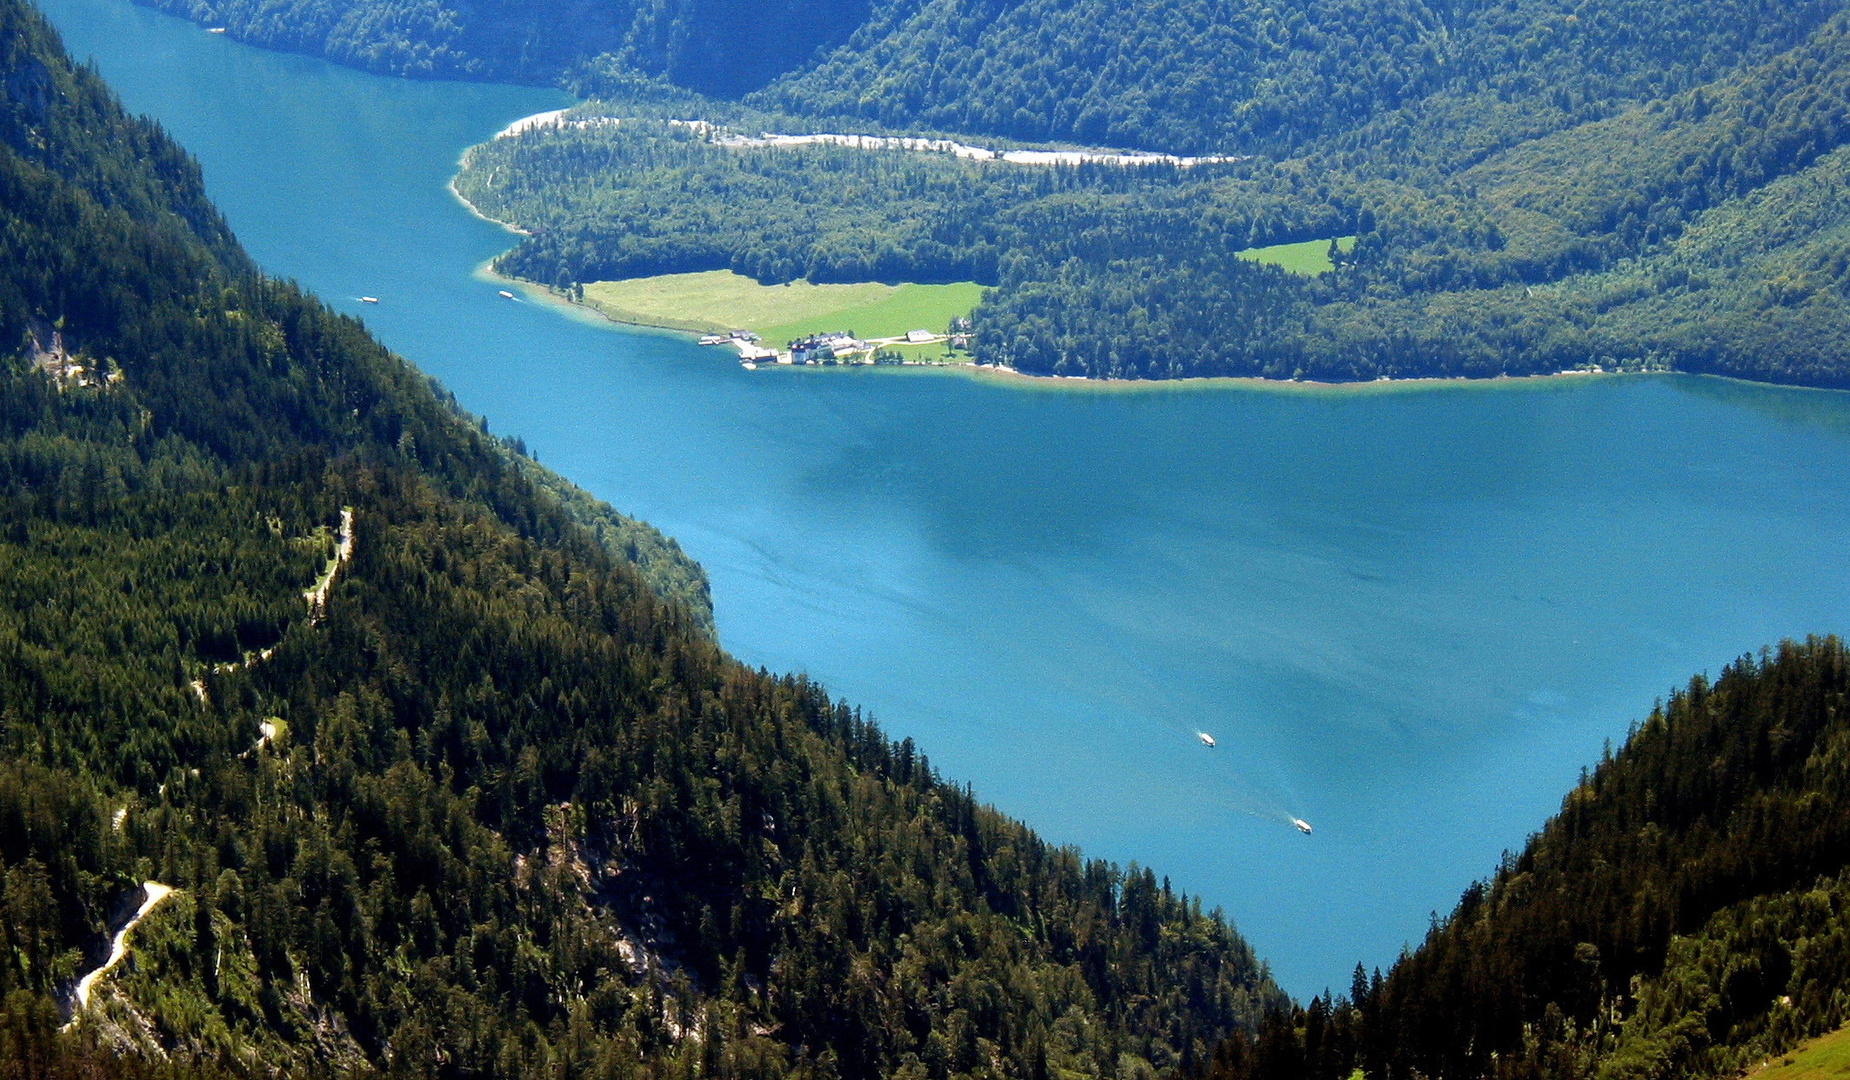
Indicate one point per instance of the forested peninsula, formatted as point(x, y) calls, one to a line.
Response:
point(438, 756)
point(1534, 185)
point(1704, 230)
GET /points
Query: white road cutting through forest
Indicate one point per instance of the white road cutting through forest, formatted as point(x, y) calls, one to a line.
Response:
point(317, 596)
point(153, 893)
point(719, 136)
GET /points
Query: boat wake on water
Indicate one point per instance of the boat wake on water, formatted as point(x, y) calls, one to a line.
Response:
point(1241, 795)
point(1269, 813)
point(1234, 787)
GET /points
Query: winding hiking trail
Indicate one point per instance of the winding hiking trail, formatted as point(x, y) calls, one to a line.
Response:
point(153, 892)
point(317, 596)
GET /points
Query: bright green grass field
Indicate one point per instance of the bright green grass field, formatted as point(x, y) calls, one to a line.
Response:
point(1826, 1057)
point(1310, 258)
point(719, 300)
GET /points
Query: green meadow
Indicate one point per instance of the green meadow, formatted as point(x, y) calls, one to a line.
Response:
point(716, 301)
point(1826, 1057)
point(1309, 258)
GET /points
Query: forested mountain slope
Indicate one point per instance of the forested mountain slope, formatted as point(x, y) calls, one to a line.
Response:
point(1264, 76)
point(1685, 915)
point(445, 785)
point(1268, 76)
point(722, 47)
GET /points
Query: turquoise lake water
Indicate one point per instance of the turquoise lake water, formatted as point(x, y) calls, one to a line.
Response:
point(1409, 617)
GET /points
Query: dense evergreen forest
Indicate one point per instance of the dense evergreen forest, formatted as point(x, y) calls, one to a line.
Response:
point(438, 754)
point(1264, 76)
point(1686, 915)
point(1193, 76)
point(720, 47)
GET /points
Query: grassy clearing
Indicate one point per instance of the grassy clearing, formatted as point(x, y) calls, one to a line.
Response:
point(1826, 1057)
point(720, 300)
point(905, 307)
point(1309, 258)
